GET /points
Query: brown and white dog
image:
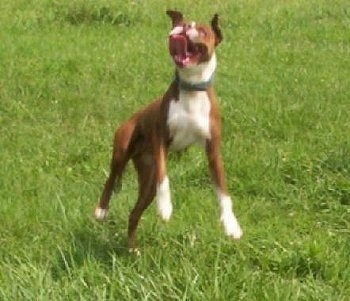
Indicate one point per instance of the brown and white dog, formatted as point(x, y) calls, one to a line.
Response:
point(187, 113)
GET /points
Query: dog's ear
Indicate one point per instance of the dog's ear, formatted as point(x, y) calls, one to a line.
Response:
point(215, 27)
point(176, 17)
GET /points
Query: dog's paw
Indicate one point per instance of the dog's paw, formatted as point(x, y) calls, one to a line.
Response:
point(164, 205)
point(231, 225)
point(135, 251)
point(100, 214)
point(165, 209)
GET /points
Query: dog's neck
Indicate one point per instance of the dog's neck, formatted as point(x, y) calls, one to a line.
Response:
point(196, 78)
point(186, 86)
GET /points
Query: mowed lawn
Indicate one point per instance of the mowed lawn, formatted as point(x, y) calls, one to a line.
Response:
point(72, 71)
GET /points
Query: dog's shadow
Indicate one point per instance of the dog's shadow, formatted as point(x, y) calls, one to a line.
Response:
point(94, 242)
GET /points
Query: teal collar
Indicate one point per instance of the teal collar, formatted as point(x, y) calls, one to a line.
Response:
point(202, 86)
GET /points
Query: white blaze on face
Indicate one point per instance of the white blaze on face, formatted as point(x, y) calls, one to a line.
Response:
point(192, 32)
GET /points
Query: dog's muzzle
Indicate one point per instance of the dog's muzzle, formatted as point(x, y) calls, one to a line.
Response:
point(181, 47)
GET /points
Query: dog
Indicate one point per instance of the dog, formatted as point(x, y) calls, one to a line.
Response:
point(186, 114)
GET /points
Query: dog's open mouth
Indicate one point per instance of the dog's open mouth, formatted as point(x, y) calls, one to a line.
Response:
point(182, 50)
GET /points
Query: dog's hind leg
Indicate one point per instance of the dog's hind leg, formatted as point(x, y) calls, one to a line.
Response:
point(144, 165)
point(117, 167)
point(120, 157)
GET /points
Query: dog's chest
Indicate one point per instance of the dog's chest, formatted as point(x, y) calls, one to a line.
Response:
point(188, 119)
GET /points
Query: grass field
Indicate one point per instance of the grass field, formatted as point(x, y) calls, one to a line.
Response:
point(71, 71)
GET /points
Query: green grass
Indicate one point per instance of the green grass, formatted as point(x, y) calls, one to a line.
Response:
point(71, 71)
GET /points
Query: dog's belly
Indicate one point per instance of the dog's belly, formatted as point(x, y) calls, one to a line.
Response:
point(188, 120)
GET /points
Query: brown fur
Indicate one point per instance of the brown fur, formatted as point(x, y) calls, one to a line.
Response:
point(145, 139)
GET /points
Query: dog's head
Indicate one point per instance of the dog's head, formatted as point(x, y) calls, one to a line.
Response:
point(191, 44)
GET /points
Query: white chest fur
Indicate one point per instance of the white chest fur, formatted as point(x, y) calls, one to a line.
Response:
point(188, 119)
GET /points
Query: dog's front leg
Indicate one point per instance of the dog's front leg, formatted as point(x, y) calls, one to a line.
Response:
point(164, 205)
point(228, 218)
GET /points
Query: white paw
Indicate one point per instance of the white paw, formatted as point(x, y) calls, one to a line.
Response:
point(135, 251)
point(164, 205)
point(165, 209)
point(232, 228)
point(100, 214)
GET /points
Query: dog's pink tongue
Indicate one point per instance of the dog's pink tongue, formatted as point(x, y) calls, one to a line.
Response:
point(178, 46)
